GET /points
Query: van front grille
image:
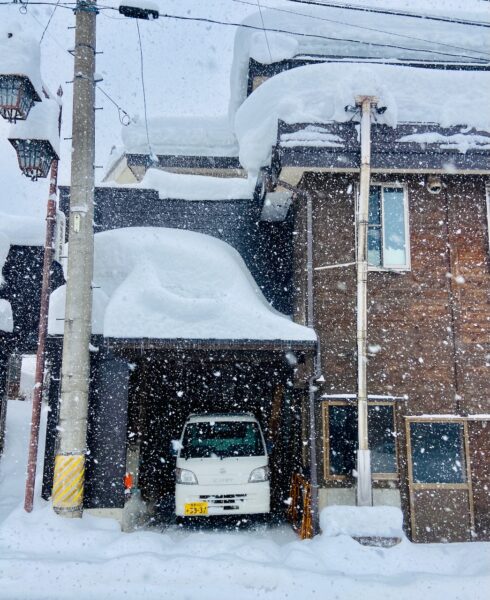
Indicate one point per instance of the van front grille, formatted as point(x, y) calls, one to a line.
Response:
point(224, 499)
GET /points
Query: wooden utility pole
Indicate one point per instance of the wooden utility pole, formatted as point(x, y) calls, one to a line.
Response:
point(69, 470)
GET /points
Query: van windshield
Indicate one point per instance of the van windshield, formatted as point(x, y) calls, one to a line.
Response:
point(222, 439)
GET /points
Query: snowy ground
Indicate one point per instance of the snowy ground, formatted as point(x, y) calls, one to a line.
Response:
point(45, 557)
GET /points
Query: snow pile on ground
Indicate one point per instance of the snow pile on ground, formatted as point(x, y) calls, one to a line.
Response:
point(194, 187)
point(320, 93)
point(181, 136)
point(362, 521)
point(169, 283)
point(45, 557)
point(27, 376)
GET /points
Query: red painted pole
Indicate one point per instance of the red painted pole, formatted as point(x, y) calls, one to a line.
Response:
point(41, 344)
point(42, 332)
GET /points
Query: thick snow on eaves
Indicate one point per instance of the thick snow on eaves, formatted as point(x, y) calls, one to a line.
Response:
point(320, 93)
point(193, 187)
point(181, 136)
point(169, 283)
point(23, 230)
point(346, 33)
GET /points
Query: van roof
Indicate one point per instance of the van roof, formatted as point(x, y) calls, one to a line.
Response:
point(244, 416)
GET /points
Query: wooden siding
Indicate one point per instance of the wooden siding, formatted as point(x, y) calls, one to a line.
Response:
point(429, 328)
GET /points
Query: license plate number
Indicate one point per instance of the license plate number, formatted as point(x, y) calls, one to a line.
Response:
point(195, 508)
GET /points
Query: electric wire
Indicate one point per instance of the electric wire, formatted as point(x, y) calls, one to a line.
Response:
point(393, 12)
point(265, 32)
point(143, 88)
point(356, 26)
point(48, 23)
point(317, 36)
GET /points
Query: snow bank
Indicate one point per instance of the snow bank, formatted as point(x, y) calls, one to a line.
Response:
point(194, 187)
point(181, 136)
point(20, 55)
point(42, 124)
point(319, 94)
point(46, 557)
point(362, 521)
point(170, 283)
point(21, 230)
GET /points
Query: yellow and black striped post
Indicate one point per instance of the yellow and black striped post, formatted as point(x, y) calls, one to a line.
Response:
point(69, 472)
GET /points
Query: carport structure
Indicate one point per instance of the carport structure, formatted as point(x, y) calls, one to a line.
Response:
point(172, 378)
point(179, 326)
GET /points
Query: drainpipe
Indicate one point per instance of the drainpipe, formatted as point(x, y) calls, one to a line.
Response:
point(311, 381)
point(364, 491)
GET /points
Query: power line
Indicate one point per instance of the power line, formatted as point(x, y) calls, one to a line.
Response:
point(265, 32)
point(393, 12)
point(312, 35)
point(392, 33)
point(49, 21)
point(143, 87)
point(124, 118)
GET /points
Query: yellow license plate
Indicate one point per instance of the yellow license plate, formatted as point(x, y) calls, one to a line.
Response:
point(195, 508)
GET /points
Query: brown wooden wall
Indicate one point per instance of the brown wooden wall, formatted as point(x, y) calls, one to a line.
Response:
point(429, 328)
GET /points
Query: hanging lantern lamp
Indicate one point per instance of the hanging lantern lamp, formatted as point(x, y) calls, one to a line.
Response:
point(34, 156)
point(17, 96)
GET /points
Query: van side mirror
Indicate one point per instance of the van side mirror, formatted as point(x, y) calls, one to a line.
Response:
point(173, 448)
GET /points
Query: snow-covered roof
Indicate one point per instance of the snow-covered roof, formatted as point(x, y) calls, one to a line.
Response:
point(174, 284)
point(319, 94)
point(22, 230)
point(181, 136)
point(312, 31)
point(20, 55)
point(193, 187)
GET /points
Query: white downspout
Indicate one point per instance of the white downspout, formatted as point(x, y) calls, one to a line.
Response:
point(364, 491)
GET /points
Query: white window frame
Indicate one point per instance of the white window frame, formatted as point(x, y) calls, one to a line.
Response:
point(407, 265)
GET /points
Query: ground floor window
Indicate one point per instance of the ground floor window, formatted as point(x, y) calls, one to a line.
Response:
point(340, 439)
point(437, 452)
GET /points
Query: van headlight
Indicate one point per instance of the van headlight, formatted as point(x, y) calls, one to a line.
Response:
point(186, 477)
point(260, 474)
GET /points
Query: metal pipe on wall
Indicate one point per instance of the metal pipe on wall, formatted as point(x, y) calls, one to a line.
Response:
point(364, 491)
point(310, 319)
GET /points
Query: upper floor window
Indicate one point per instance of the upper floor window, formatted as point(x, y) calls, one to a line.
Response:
point(388, 237)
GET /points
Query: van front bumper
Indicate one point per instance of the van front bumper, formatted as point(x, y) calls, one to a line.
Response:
point(244, 499)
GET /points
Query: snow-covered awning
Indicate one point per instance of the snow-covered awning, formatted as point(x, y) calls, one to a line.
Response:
point(164, 283)
point(193, 187)
point(181, 136)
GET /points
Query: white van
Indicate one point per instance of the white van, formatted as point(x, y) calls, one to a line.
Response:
point(222, 467)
